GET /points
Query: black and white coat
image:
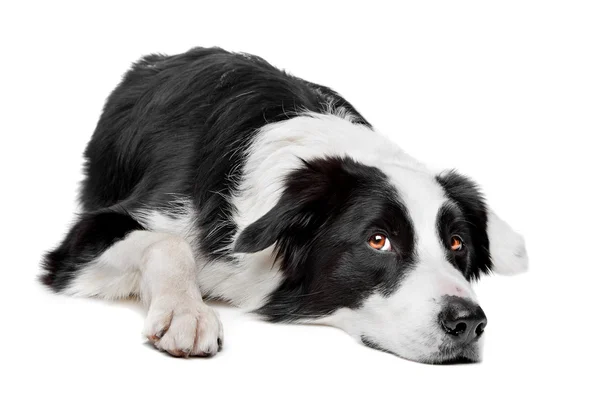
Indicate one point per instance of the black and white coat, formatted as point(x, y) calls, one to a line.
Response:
point(214, 175)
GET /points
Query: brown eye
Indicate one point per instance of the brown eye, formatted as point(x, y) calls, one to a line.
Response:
point(380, 242)
point(456, 243)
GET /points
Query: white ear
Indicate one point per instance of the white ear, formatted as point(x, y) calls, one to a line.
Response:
point(507, 247)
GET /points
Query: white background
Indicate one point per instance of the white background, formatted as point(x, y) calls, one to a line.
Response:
point(508, 92)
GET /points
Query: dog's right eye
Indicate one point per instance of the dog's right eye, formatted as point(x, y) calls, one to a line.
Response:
point(380, 242)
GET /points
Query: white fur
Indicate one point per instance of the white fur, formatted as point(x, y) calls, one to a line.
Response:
point(160, 269)
point(245, 287)
point(178, 321)
point(246, 283)
point(507, 248)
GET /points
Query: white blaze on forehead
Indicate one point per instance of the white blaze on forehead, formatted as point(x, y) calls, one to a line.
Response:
point(423, 198)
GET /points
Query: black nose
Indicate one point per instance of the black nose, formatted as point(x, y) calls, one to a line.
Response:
point(462, 319)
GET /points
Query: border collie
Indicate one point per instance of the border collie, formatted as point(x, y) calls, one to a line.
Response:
point(214, 175)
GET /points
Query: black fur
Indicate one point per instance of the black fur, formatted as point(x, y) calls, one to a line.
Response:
point(180, 126)
point(321, 225)
point(92, 234)
point(470, 222)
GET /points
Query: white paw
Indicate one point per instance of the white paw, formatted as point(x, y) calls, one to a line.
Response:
point(183, 327)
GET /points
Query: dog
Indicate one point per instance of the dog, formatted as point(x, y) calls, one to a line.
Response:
point(214, 175)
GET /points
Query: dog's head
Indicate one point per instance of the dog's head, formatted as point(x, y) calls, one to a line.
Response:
point(386, 253)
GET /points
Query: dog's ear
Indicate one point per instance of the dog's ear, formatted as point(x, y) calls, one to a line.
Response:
point(507, 247)
point(294, 214)
point(498, 247)
point(285, 218)
point(311, 195)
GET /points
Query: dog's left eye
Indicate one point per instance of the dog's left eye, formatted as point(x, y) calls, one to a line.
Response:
point(456, 243)
point(380, 242)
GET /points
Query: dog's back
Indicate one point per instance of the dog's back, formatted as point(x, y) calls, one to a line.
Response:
point(175, 134)
point(181, 125)
point(171, 119)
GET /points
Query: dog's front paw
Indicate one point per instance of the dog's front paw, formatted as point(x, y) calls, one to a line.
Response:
point(183, 327)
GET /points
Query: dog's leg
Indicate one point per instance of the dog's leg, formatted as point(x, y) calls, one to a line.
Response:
point(109, 255)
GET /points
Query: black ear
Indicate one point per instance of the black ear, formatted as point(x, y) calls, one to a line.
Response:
point(313, 194)
point(267, 229)
point(291, 225)
point(304, 205)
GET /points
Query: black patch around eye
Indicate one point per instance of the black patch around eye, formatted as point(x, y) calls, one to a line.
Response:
point(450, 221)
point(395, 221)
point(320, 228)
point(466, 196)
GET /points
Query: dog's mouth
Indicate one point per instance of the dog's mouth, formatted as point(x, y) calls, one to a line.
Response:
point(453, 355)
point(446, 354)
